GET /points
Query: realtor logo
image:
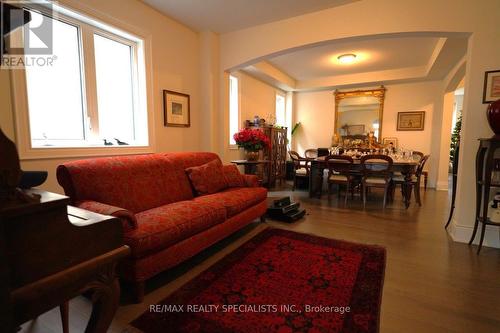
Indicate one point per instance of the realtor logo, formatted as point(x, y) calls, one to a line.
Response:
point(36, 28)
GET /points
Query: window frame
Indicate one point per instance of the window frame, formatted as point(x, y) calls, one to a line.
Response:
point(142, 81)
point(231, 145)
point(282, 95)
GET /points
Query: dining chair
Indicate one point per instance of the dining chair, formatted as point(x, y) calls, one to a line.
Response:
point(419, 154)
point(425, 174)
point(323, 152)
point(311, 153)
point(339, 172)
point(416, 179)
point(377, 172)
point(301, 167)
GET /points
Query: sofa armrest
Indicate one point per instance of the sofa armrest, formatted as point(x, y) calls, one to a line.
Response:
point(251, 180)
point(128, 219)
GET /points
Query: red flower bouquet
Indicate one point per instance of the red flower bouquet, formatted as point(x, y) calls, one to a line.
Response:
point(251, 139)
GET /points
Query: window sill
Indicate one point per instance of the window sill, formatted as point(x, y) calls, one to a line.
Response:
point(57, 153)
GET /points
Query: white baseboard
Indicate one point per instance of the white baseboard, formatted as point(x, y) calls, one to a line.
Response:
point(442, 186)
point(462, 234)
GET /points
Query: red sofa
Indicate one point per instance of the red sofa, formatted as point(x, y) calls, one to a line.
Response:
point(164, 222)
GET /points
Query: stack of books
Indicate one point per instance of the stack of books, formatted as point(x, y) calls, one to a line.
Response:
point(283, 209)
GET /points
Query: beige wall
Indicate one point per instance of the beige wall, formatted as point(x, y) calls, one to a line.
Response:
point(209, 85)
point(454, 80)
point(257, 98)
point(315, 111)
point(175, 66)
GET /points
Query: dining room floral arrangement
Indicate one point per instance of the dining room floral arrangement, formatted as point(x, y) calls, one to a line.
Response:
point(252, 140)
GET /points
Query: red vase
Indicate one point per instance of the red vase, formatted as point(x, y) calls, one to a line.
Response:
point(493, 115)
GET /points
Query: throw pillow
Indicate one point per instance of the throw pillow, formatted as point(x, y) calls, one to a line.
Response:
point(207, 178)
point(233, 176)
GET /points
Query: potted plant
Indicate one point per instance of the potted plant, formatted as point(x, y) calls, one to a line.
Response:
point(252, 140)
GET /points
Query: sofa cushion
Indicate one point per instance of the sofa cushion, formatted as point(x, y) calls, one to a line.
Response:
point(136, 183)
point(235, 200)
point(207, 178)
point(164, 226)
point(232, 176)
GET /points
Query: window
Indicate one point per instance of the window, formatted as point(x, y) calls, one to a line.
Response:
point(114, 77)
point(234, 108)
point(280, 110)
point(55, 93)
point(92, 95)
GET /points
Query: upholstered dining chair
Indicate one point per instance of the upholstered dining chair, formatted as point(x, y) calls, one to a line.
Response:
point(415, 181)
point(301, 167)
point(425, 174)
point(339, 173)
point(377, 172)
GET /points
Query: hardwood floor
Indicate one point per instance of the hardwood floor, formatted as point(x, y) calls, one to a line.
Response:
point(432, 284)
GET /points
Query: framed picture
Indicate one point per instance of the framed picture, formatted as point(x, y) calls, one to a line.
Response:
point(387, 141)
point(411, 121)
point(356, 129)
point(176, 109)
point(491, 91)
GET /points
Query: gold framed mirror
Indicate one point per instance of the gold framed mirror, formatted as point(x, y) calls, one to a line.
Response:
point(359, 112)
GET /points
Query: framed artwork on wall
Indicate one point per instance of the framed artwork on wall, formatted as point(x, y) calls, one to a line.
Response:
point(176, 109)
point(491, 90)
point(411, 121)
point(387, 141)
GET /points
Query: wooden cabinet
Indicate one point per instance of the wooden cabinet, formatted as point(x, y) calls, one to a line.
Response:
point(51, 252)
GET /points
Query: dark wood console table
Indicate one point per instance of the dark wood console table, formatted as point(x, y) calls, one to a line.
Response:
point(51, 252)
point(484, 169)
point(250, 166)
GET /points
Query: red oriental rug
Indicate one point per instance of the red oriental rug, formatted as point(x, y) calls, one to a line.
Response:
point(279, 281)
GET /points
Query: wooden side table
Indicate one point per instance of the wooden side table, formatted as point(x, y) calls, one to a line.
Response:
point(484, 169)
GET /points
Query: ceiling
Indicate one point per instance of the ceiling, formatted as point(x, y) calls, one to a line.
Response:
point(379, 60)
point(223, 16)
point(396, 58)
point(371, 55)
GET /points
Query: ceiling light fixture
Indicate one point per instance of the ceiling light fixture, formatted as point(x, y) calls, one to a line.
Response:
point(347, 58)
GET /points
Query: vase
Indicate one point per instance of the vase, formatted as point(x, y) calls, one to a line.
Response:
point(252, 155)
point(493, 115)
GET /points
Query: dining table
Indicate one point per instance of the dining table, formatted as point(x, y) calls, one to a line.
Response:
point(407, 167)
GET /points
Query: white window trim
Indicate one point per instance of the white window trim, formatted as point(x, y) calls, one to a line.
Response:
point(282, 94)
point(233, 146)
point(20, 102)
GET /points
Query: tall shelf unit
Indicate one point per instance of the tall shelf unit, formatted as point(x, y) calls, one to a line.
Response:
point(276, 154)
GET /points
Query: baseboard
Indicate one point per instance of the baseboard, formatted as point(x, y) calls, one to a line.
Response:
point(462, 234)
point(442, 186)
